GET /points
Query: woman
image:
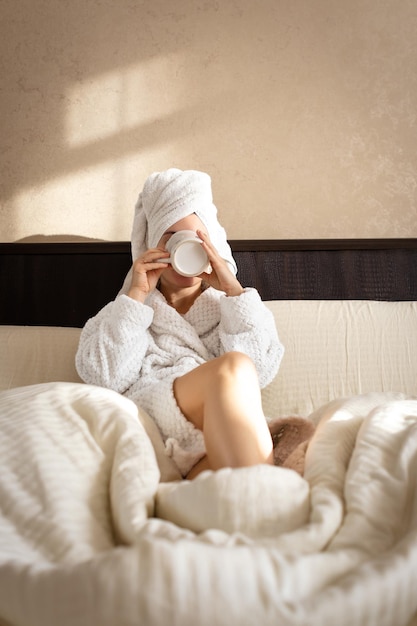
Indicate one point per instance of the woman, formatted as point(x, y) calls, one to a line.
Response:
point(193, 352)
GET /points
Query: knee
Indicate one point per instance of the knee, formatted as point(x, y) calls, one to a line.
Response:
point(237, 365)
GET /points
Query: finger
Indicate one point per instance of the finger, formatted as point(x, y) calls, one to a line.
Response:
point(149, 266)
point(208, 246)
point(153, 255)
point(155, 265)
point(204, 237)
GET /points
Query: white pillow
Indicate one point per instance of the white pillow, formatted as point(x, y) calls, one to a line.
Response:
point(37, 354)
point(335, 349)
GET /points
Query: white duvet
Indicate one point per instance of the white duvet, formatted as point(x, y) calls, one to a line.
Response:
point(96, 530)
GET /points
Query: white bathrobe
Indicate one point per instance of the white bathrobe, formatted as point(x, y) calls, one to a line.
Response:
point(139, 349)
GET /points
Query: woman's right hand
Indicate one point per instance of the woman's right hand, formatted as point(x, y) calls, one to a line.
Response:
point(146, 271)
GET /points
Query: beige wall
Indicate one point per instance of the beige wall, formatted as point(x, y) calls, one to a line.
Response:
point(304, 112)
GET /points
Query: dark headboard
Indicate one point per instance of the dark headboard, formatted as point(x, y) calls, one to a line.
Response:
point(63, 284)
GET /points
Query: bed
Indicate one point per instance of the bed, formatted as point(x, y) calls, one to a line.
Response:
point(96, 527)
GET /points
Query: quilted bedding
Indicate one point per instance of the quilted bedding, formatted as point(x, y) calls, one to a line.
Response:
point(95, 528)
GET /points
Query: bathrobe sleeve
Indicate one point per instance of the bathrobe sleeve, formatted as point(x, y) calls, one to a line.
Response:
point(113, 344)
point(248, 326)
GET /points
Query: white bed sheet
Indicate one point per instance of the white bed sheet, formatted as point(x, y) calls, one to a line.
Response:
point(81, 543)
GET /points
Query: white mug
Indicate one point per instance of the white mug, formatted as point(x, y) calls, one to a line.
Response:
point(187, 256)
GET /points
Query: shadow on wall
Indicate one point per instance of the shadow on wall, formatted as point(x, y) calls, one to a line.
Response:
point(52, 55)
point(58, 239)
point(303, 113)
point(96, 83)
point(101, 94)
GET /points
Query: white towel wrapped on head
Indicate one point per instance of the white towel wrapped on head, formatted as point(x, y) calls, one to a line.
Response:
point(168, 197)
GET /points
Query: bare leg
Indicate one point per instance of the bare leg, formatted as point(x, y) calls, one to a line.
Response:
point(222, 398)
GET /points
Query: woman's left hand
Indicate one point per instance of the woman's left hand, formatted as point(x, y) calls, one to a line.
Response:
point(221, 277)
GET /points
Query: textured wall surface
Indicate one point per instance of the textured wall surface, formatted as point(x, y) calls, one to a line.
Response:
point(304, 113)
